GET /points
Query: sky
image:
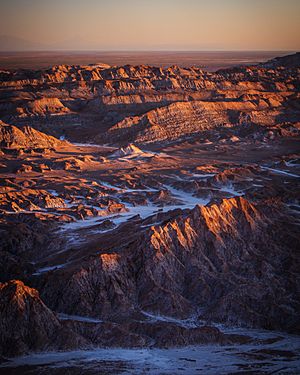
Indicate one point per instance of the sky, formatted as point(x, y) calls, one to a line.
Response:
point(110, 25)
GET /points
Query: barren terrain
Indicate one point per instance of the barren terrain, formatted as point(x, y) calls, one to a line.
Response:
point(210, 61)
point(150, 213)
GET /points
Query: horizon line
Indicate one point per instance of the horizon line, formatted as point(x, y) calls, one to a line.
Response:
point(148, 50)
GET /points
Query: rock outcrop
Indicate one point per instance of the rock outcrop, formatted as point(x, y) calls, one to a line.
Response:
point(26, 137)
point(43, 107)
point(177, 120)
point(26, 323)
point(144, 103)
point(207, 260)
point(131, 151)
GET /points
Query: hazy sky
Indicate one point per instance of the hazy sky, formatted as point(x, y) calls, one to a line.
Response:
point(154, 24)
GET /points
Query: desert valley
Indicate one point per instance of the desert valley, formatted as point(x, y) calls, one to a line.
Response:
point(149, 219)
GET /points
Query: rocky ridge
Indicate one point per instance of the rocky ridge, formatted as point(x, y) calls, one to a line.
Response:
point(142, 103)
point(13, 137)
point(179, 269)
point(29, 325)
point(186, 263)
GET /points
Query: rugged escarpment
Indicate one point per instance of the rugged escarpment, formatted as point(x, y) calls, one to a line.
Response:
point(25, 322)
point(225, 262)
point(204, 263)
point(142, 103)
point(27, 325)
point(26, 137)
point(225, 257)
point(181, 119)
point(42, 107)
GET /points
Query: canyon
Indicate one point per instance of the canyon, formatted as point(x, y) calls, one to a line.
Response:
point(150, 213)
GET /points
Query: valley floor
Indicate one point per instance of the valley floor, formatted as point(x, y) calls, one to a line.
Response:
point(275, 353)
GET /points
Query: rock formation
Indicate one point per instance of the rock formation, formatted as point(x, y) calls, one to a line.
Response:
point(208, 260)
point(26, 323)
point(145, 103)
point(26, 137)
point(181, 211)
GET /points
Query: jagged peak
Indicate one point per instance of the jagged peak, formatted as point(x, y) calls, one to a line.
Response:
point(17, 288)
point(16, 294)
point(229, 214)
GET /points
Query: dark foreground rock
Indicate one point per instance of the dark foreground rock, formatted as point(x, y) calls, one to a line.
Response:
point(27, 325)
point(26, 322)
point(234, 260)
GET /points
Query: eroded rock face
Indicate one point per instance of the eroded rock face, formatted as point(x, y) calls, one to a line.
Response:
point(219, 259)
point(214, 258)
point(22, 236)
point(27, 137)
point(43, 107)
point(177, 120)
point(29, 199)
point(25, 323)
point(147, 104)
